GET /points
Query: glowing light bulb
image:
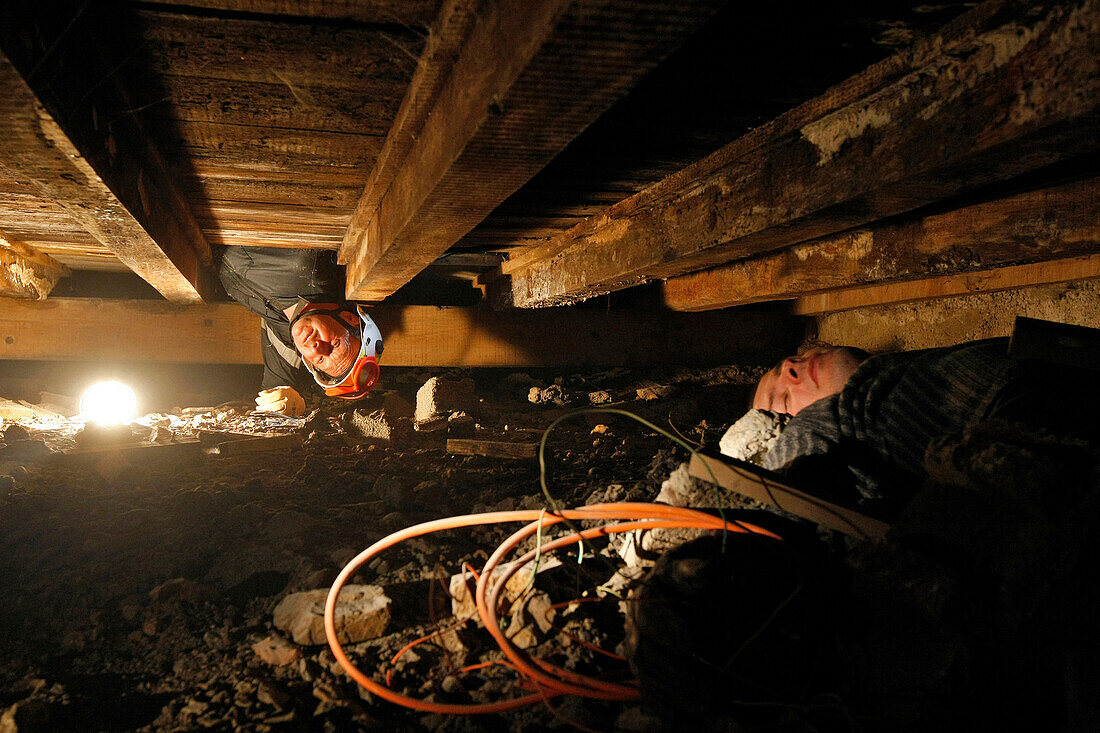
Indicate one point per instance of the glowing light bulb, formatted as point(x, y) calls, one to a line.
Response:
point(108, 403)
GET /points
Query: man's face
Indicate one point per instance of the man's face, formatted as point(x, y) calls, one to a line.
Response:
point(798, 381)
point(325, 344)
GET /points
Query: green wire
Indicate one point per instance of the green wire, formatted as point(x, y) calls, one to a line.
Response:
point(557, 509)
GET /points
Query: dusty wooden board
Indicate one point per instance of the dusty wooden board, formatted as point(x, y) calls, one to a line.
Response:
point(1007, 88)
point(253, 445)
point(113, 183)
point(525, 81)
point(755, 483)
point(398, 12)
point(491, 448)
point(1084, 267)
point(149, 331)
point(121, 330)
point(1037, 225)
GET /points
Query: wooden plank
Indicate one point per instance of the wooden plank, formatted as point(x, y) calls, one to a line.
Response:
point(363, 111)
point(26, 273)
point(150, 331)
point(763, 486)
point(1083, 267)
point(1007, 88)
point(492, 448)
point(276, 51)
point(244, 145)
point(398, 12)
point(478, 122)
point(1037, 225)
point(253, 445)
point(111, 182)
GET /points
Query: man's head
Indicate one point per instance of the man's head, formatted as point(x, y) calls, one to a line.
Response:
point(325, 343)
point(798, 381)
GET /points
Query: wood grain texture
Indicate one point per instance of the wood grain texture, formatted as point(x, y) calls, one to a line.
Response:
point(398, 12)
point(118, 193)
point(24, 272)
point(1084, 267)
point(1007, 88)
point(526, 81)
point(492, 448)
point(1038, 225)
point(151, 331)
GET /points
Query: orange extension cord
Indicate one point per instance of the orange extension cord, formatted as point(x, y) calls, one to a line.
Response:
point(547, 679)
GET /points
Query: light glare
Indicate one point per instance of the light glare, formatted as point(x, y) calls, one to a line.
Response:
point(108, 403)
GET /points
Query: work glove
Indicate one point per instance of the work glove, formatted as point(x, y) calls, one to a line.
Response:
point(282, 399)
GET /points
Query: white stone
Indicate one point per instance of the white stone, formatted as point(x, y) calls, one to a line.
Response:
point(362, 612)
point(750, 438)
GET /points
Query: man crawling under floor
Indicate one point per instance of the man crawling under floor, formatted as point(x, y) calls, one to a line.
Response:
point(976, 611)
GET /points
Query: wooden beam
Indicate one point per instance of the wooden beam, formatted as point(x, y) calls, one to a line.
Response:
point(1038, 225)
point(1009, 87)
point(98, 166)
point(500, 90)
point(492, 448)
point(26, 273)
point(1084, 267)
point(151, 331)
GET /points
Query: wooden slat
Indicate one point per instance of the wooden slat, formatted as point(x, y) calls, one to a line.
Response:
point(364, 111)
point(398, 12)
point(1003, 278)
point(1009, 87)
point(274, 51)
point(134, 330)
point(492, 448)
point(113, 184)
point(525, 81)
point(242, 145)
point(147, 331)
point(1038, 225)
point(750, 481)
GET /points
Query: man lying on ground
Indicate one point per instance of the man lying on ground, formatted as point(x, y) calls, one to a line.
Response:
point(867, 422)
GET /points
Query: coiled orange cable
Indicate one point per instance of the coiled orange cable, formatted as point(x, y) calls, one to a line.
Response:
point(548, 679)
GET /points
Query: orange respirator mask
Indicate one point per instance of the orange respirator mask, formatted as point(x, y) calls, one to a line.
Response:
point(364, 371)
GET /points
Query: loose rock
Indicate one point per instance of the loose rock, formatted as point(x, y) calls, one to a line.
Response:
point(362, 612)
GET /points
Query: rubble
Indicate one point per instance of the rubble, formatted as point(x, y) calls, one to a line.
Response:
point(439, 397)
point(751, 437)
point(362, 613)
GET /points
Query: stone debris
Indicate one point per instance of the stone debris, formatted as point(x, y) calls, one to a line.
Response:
point(750, 438)
point(555, 393)
point(439, 397)
point(374, 425)
point(599, 397)
point(277, 651)
point(650, 392)
point(463, 585)
point(362, 613)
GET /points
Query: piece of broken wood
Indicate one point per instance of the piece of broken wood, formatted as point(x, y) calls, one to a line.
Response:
point(756, 483)
point(251, 445)
point(491, 448)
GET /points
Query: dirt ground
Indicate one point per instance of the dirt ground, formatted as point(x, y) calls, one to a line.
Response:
point(138, 584)
point(135, 584)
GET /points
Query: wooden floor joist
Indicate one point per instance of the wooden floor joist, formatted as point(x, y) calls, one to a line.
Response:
point(112, 182)
point(1009, 87)
point(501, 89)
point(1084, 267)
point(155, 331)
point(1047, 224)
